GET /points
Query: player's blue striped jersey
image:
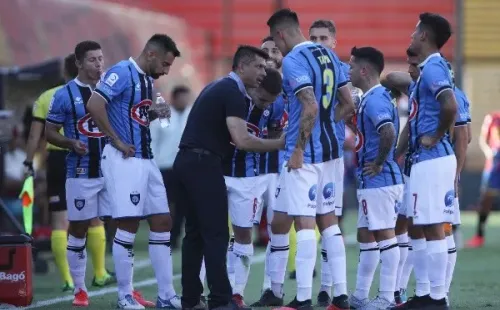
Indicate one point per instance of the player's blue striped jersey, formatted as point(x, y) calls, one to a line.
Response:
point(425, 109)
point(377, 109)
point(463, 108)
point(129, 94)
point(69, 109)
point(277, 119)
point(312, 65)
point(340, 126)
point(409, 153)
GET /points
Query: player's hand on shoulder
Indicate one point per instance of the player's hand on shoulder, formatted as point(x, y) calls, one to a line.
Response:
point(79, 147)
point(428, 141)
point(371, 169)
point(126, 149)
point(296, 160)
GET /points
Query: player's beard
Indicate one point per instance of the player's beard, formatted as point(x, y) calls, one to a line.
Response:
point(277, 63)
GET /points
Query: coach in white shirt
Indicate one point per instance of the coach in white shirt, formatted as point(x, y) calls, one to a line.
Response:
point(165, 144)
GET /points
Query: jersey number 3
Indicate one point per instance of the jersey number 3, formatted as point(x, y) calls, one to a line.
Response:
point(328, 83)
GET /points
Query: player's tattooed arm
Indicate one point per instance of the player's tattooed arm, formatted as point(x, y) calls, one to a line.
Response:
point(397, 80)
point(387, 137)
point(307, 117)
point(448, 112)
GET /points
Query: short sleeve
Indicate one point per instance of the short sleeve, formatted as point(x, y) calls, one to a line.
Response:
point(379, 110)
point(296, 74)
point(113, 83)
point(345, 69)
point(57, 108)
point(437, 78)
point(342, 78)
point(41, 106)
point(463, 115)
point(234, 102)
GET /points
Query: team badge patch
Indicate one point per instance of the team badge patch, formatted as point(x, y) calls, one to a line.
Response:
point(79, 204)
point(135, 197)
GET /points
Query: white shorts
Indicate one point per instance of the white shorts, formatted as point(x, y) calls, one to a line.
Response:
point(378, 207)
point(268, 199)
point(308, 191)
point(86, 199)
point(456, 214)
point(245, 198)
point(339, 184)
point(135, 185)
point(405, 209)
point(432, 190)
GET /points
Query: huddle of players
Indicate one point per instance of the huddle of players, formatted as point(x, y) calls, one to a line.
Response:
point(306, 180)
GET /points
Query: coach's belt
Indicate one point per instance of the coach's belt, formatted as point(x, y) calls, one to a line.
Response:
point(199, 151)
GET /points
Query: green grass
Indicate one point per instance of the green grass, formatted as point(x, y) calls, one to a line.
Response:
point(476, 284)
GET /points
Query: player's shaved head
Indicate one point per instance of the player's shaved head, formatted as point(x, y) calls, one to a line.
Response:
point(284, 27)
point(284, 18)
point(164, 43)
point(437, 28)
point(159, 55)
point(369, 55)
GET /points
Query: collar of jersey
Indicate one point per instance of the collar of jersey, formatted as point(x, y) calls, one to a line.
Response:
point(421, 65)
point(302, 43)
point(370, 90)
point(241, 86)
point(136, 65)
point(79, 83)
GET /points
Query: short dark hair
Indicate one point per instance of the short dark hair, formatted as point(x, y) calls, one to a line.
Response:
point(70, 66)
point(370, 55)
point(283, 16)
point(85, 46)
point(247, 53)
point(438, 26)
point(267, 39)
point(166, 43)
point(179, 90)
point(323, 23)
point(273, 82)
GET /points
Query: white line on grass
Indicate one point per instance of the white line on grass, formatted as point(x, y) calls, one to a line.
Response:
point(257, 259)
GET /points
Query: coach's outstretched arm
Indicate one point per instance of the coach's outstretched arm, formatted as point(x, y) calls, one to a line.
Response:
point(244, 141)
point(97, 109)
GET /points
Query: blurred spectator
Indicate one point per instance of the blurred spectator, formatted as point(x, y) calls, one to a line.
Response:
point(165, 144)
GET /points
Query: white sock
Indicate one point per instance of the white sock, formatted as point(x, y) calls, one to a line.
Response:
point(326, 275)
point(305, 261)
point(77, 261)
point(403, 255)
point(369, 256)
point(437, 261)
point(389, 260)
point(160, 255)
point(123, 258)
point(243, 254)
point(420, 260)
point(278, 259)
point(452, 260)
point(335, 248)
point(407, 268)
point(203, 273)
point(267, 279)
point(230, 261)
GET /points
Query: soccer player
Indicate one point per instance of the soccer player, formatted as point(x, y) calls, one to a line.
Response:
point(245, 185)
point(56, 175)
point(312, 80)
point(380, 187)
point(489, 141)
point(86, 196)
point(120, 108)
point(433, 194)
point(324, 32)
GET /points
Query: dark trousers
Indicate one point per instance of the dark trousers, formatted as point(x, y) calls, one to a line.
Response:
point(176, 213)
point(202, 194)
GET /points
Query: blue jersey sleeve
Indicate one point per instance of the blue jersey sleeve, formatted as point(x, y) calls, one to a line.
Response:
point(463, 115)
point(277, 110)
point(57, 108)
point(343, 74)
point(436, 78)
point(296, 74)
point(379, 111)
point(113, 83)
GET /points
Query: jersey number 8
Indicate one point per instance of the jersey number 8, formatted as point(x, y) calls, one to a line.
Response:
point(328, 83)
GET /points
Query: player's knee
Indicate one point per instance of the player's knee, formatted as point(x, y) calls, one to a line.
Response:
point(384, 234)
point(415, 232)
point(281, 223)
point(95, 222)
point(326, 220)
point(401, 225)
point(59, 220)
point(78, 229)
point(160, 222)
point(365, 236)
point(242, 235)
point(130, 225)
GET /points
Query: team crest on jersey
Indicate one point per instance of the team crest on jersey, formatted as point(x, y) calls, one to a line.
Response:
point(413, 108)
point(359, 140)
point(87, 127)
point(79, 203)
point(139, 112)
point(135, 197)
